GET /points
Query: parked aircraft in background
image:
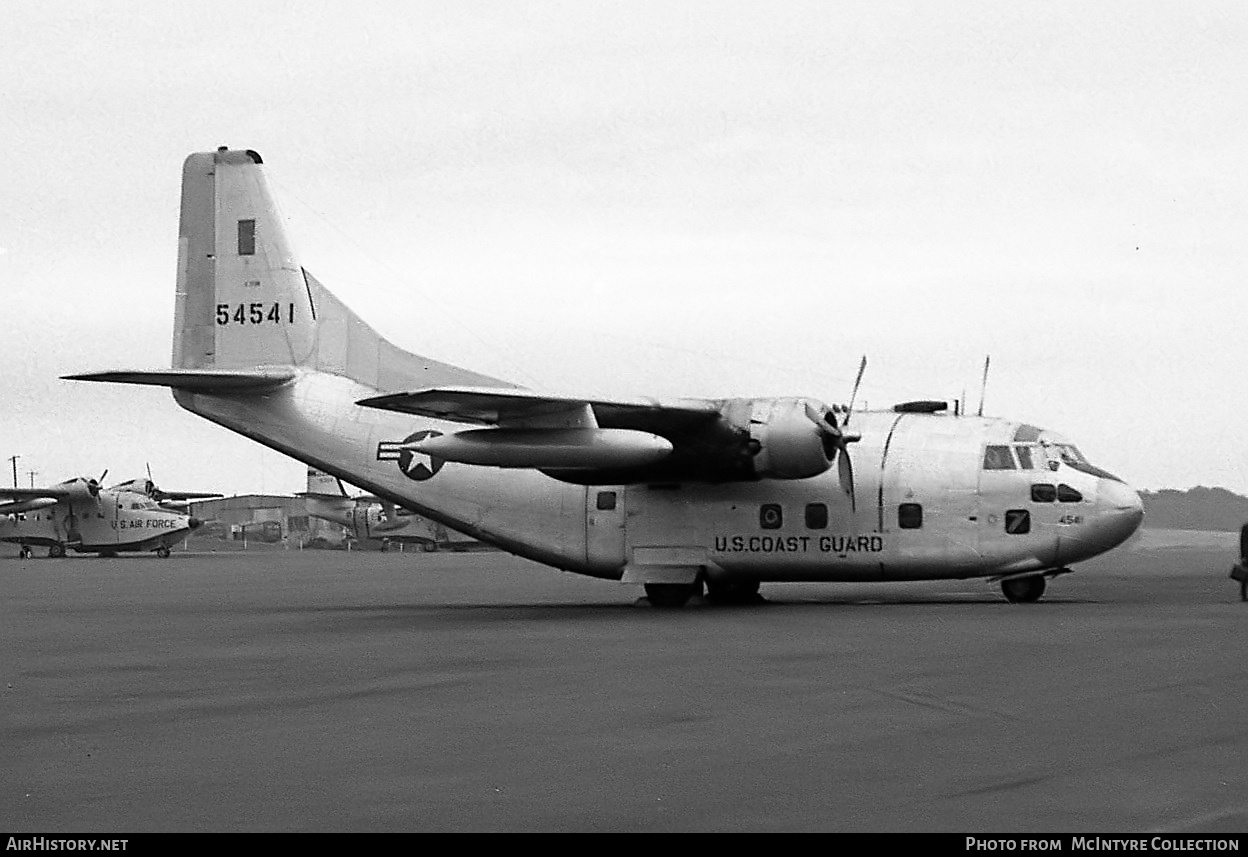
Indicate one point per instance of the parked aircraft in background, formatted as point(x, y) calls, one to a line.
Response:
point(80, 515)
point(675, 495)
point(367, 517)
point(173, 500)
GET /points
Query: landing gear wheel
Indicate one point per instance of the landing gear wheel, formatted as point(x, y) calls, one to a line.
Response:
point(734, 592)
point(1023, 590)
point(25, 552)
point(672, 595)
point(56, 551)
point(429, 547)
point(163, 551)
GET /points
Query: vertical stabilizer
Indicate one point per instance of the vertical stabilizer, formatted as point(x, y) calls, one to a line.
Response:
point(322, 484)
point(244, 302)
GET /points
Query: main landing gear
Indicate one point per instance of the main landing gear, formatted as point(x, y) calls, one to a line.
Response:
point(163, 551)
point(56, 551)
point(1023, 590)
point(672, 595)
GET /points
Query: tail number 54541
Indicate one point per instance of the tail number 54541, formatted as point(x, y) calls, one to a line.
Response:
point(256, 312)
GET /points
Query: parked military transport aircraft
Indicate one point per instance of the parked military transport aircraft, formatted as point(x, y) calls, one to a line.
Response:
point(675, 495)
point(369, 517)
point(81, 515)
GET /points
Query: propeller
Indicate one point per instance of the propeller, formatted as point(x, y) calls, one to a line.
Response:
point(93, 485)
point(836, 438)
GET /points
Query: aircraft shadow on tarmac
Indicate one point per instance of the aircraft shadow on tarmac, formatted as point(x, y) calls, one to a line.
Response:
point(537, 611)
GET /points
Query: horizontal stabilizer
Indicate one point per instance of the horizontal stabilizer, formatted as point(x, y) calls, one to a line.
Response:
point(198, 380)
point(512, 407)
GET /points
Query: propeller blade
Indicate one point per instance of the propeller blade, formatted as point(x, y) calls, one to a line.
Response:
point(845, 469)
point(862, 367)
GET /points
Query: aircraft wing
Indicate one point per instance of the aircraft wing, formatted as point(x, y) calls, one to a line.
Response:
point(519, 408)
point(580, 439)
point(186, 495)
point(34, 493)
point(29, 505)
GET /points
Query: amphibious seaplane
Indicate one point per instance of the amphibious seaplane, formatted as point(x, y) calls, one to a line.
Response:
point(676, 495)
point(368, 517)
point(81, 515)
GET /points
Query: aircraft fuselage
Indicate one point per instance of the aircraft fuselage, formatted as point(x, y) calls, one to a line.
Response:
point(924, 506)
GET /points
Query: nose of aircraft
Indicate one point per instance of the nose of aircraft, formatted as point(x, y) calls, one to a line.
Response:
point(1119, 513)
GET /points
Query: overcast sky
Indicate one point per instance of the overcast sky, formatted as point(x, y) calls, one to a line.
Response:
point(668, 198)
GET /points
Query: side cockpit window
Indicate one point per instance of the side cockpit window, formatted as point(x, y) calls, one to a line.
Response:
point(1066, 494)
point(998, 458)
point(1024, 457)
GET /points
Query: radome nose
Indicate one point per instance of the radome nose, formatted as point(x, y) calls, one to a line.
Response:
point(1120, 513)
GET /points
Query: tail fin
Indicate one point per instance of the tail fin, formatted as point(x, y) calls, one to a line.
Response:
point(321, 484)
point(244, 302)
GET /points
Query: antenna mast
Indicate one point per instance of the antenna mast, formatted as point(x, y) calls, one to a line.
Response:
point(983, 388)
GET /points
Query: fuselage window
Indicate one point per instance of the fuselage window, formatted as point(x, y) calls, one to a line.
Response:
point(1043, 493)
point(816, 516)
point(606, 501)
point(1024, 457)
point(1017, 521)
point(1066, 494)
point(910, 516)
point(246, 237)
point(770, 516)
point(998, 458)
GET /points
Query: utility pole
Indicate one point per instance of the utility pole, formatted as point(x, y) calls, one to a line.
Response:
point(14, 458)
point(32, 477)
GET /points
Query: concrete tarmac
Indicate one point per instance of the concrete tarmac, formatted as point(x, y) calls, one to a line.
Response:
point(480, 692)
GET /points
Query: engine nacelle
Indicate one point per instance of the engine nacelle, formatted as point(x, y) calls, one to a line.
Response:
point(81, 488)
point(790, 443)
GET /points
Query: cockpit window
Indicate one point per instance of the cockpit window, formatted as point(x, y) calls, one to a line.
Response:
point(1072, 457)
point(1026, 434)
point(1024, 457)
point(1042, 492)
point(998, 458)
point(1066, 494)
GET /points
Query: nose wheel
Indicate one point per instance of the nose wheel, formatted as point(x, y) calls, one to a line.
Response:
point(25, 552)
point(1023, 590)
